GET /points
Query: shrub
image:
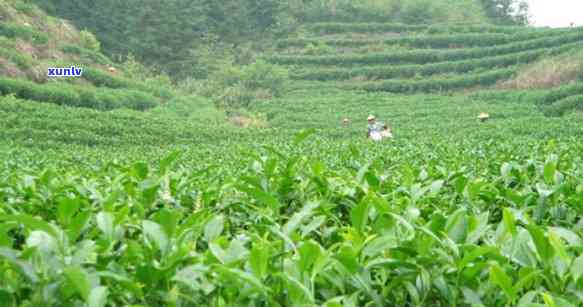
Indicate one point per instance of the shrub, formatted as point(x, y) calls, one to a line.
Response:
point(90, 54)
point(25, 8)
point(428, 56)
point(408, 71)
point(436, 84)
point(159, 86)
point(66, 94)
point(318, 48)
point(234, 96)
point(561, 93)
point(560, 107)
point(241, 85)
point(89, 41)
point(262, 75)
point(22, 60)
point(26, 33)
point(101, 78)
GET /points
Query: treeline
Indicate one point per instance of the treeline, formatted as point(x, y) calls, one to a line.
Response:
point(181, 37)
point(166, 34)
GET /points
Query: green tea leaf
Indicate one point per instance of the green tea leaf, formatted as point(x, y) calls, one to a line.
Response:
point(259, 259)
point(66, 208)
point(501, 279)
point(310, 251)
point(543, 247)
point(303, 135)
point(155, 233)
point(348, 258)
point(167, 162)
point(32, 223)
point(509, 222)
point(98, 297)
point(294, 222)
point(79, 280)
point(359, 215)
point(577, 267)
point(456, 227)
point(214, 228)
point(139, 170)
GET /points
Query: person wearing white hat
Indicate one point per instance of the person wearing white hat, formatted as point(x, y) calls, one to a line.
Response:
point(373, 132)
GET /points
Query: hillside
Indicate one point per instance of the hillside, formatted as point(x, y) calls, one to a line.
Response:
point(31, 42)
point(416, 58)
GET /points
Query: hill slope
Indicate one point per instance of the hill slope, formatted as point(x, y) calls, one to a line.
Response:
point(418, 58)
point(31, 42)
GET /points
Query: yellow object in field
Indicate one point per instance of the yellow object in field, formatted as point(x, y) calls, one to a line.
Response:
point(483, 116)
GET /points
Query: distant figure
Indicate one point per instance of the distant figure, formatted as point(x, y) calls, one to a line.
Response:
point(345, 122)
point(386, 132)
point(112, 70)
point(572, 24)
point(483, 117)
point(373, 130)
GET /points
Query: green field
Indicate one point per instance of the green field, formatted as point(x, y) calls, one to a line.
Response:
point(120, 194)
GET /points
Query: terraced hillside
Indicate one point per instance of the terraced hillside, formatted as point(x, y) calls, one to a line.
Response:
point(417, 58)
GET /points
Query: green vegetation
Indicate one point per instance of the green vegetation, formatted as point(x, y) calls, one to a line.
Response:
point(452, 210)
point(408, 71)
point(330, 28)
point(69, 95)
point(560, 107)
point(167, 36)
point(15, 31)
point(86, 53)
point(428, 40)
point(235, 87)
point(427, 56)
point(22, 60)
point(244, 179)
point(437, 84)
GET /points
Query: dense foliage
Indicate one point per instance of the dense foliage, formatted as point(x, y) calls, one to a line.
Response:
point(69, 95)
point(121, 188)
point(173, 34)
point(306, 220)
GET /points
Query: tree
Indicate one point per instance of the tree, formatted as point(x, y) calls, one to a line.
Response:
point(507, 12)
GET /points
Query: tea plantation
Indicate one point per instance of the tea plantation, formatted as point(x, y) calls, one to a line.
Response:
point(157, 201)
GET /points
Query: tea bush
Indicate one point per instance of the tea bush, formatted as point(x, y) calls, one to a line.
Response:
point(26, 33)
point(89, 41)
point(407, 71)
point(562, 106)
point(86, 53)
point(234, 85)
point(429, 41)
point(428, 56)
point(65, 94)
